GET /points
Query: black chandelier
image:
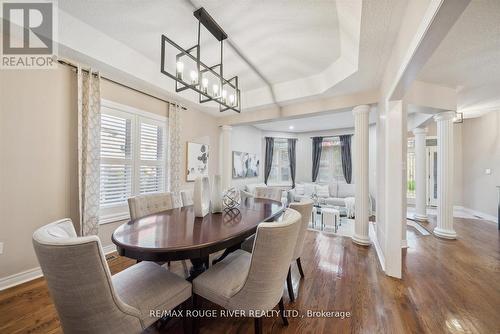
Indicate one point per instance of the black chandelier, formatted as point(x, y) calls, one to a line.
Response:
point(225, 92)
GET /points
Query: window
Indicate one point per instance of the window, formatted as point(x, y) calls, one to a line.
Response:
point(330, 165)
point(410, 168)
point(133, 157)
point(280, 169)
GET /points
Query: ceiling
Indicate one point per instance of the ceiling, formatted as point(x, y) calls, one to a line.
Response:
point(286, 40)
point(341, 119)
point(468, 59)
point(304, 49)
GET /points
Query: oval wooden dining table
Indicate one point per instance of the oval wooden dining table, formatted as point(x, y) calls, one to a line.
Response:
point(177, 234)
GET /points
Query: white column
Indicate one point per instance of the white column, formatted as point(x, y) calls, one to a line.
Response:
point(226, 168)
point(444, 228)
point(420, 175)
point(360, 163)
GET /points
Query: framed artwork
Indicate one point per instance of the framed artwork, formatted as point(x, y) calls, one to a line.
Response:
point(196, 161)
point(245, 165)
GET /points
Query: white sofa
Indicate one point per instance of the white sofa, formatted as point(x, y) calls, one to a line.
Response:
point(331, 194)
point(248, 190)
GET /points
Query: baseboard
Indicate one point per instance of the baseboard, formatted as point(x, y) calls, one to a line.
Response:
point(34, 273)
point(19, 278)
point(373, 236)
point(476, 213)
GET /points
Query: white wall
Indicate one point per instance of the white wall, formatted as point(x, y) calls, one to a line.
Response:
point(481, 151)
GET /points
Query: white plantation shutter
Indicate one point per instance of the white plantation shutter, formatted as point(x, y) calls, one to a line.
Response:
point(133, 157)
point(152, 158)
point(116, 158)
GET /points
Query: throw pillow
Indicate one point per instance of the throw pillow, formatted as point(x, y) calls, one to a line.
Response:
point(309, 189)
point(322, 191)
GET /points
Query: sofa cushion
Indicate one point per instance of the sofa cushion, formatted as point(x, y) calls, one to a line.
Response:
point(322, 191)
point(333, 189)
point(346, 190)
point(299, 189)
point(309, 189)
point(252, 186)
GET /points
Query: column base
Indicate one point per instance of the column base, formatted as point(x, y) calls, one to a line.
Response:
point(420, 218)
point(361, 240)
point(444, 233)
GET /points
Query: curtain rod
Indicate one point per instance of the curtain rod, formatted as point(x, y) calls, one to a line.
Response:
point(347, 134)
point(282, 137)
point(63, 62)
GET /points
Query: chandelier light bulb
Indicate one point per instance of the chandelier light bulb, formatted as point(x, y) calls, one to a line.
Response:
point(194, 77)
point(232, 100)
point(180, 70)
point(215, 90)
point(224, 95)
point(204, 85)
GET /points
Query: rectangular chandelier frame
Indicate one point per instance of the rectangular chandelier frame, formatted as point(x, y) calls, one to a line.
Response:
point(194, 53)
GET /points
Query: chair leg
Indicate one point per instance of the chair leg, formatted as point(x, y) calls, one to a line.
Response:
point(289, 285)
point(186, 270)
point(196, 320)
point(257, 322)
point(299, 265)
point(282, 312)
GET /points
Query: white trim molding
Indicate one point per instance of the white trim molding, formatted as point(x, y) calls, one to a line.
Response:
point(34, 273)
point(373, 236)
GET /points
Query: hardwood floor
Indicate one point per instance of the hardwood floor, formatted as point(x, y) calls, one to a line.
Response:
point(448, 287)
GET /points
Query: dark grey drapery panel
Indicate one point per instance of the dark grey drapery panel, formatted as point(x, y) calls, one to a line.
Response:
point(345, 152)
point(292, 158)
point(269, 158)
point(316, 156)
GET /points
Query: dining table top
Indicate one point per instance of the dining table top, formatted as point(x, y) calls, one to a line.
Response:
point(177, 234)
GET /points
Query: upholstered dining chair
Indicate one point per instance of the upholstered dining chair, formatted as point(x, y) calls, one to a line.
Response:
point(304, 207)
point(87, 298)
point(269, 193)
point(187, 197)
point(249, 282)
point(144, 205)
point(148, 204)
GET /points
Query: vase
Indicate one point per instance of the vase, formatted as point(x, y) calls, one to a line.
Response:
point(217, 194)
point(201, 196)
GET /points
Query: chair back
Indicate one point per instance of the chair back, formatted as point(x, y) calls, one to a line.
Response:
point(80, 283)
point(271, 256)
point(268, 193)
point(304, 207)
point(187, 197)
point(144, 205)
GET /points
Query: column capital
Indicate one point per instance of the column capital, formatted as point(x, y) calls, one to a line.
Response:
point(226, 128)
point(419, 131)
point(362, 109)
point(444, 116)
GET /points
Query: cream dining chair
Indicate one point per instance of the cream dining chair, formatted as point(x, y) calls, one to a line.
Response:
point(304, 207)
point(87, 298)
point(148, 204)
point(269, 193)
point(250, 282)
point(187, 197)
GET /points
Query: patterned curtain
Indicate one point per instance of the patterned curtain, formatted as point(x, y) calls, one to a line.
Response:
point(175, 153)
point(89, 142)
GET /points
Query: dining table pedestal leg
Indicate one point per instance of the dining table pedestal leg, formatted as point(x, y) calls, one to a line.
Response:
point(199, 266)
